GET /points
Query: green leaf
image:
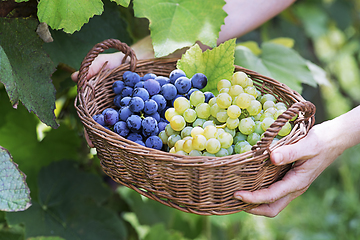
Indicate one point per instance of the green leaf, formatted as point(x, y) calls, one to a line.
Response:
point(72, 48)
point(46, 238)
point(25, 69)
point(175, 24)
point(14, 192)
point(68, 15)
point(124, 3)
point(216, 64)
point(158, 232)
point(70, 206)
point(279, 62)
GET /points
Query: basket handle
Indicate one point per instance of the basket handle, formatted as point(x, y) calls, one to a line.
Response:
point(306, 107)
point(101, 47)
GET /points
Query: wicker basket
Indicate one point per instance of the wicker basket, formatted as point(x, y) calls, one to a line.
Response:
point(200, 185)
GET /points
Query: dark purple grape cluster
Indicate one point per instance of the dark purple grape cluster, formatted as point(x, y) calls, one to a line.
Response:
point(141, 103)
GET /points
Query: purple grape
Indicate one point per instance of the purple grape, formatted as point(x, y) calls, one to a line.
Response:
point(111, 116)
point(134, 137)
point(160, 100)
point(126, 91)
point(121, 129)
point(125, 101)
point(131, 79)
point(183, 85)
point(139, 85)
point(99, 118)
point(148, 124)
point(155, 132)
point(208, 96)
point(175, 74)
point(154, 115)
point(118, 86)
point(169, 91)
point(162, 80)
point(142, 93)
point(152, 86)
point(150, 107)
point(125, 113)
point(154, 142)
point(117, 101)
point(126, 73)
point(136, 104)
point(134, 122)
point(162, 125)
point(199, 80)
point(140, 142)
point(148, 76)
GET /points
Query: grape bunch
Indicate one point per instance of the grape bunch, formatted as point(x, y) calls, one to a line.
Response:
point(141, 103)
point(229, 123)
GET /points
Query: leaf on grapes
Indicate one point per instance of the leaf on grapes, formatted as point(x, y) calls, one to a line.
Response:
point(279, 62)
point(216, 64)
point(175, 24)
point(70, 206)
point(68, 15)
point(25, 68)
point(14, 192)
point(124, 3)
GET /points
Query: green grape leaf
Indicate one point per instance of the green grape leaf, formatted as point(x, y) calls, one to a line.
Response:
point(124, 3)
point(216, 64)
point(70, 206)
point(279, 62)
point(175, 24)
point(14, 192)
point(68, 15)
point(25, 68)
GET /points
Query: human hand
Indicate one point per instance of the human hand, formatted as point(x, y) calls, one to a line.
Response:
point(311, 156)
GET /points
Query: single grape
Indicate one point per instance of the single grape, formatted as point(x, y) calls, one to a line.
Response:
point(162, 124)
point(126, 92)
point(231, 131)
point(139, 85)
point(258, 128)
point(214, 109)
point(199, 80)
point(224, 90)
point(162, 80)
point(222, 153)
point(172, 139)
point(134, 137)
point(271, 110)
point(268, 104)
point(235, 90)
point(117, 86)
point(251, 90)
point(223, 100)
point(188, 94)
point(239, 137)
point(210, 132)
point(253, 138)
point(222, 116)
point(225, 139)
point(124, 113)
point(181, 104)
point(148, 76)
point(207, 154)
point(266, 123)
point(136, 104)
point(212, 101)
point(175, 74)
point(121, 128)
point(134, 122)
point(155, 115)
point(179, 145)
point(126, 73)
point(280, 106)
point(160, 101)
point(247, 126)
point(117, 101)
point(142, 93)
point(243, 100)
point(213, 145)
point(208, 123)
point(199, 142)
point(99, 118)
point(267, 97)
point(203, 110)
point(196, 98)
point(232, 123)
point(154, 142)
point(186, 132)
point(254, 108)
point(224, 83)
point(170, 113)
point(190, 115)
point(111, 116)
point(198, 122)
point(169, 91)
point(131, 79)
point(177, 122)
point(245, 148)
point(239, 145)
point(197, 131)
point(285, 130)
point(195, 153)
point(172, 150)
point(233, 111)
point(188, 146)
point(150, 107)
point(140, 142)
point(182, 84)
point(149, 124)
point(152, 86)
point(163, 136)
point(239, 78)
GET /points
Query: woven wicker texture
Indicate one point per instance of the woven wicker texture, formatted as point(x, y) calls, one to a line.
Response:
point(200, 185)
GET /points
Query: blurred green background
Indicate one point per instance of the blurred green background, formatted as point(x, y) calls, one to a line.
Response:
point(325, 32)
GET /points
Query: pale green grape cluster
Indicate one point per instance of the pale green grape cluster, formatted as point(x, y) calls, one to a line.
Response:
point(229, 123)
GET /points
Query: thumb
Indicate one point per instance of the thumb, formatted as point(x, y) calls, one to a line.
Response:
point(290, 153)
point(74, 76)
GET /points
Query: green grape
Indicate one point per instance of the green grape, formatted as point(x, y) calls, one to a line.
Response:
point(186, 132)
point(181, 153)
point(266, 123)
point(233, 111)
point(239, 145)
point(251, 90)
point(177, 123)
point(169, 131)
point(207, 154)
point(239, 137)
point(235, 90)
point(253, 138)
point(172, 150)
point(172, 140)
point(267, 97)
point(188, 147)
point(225, 139)
point(203, 110)
point(231, 131)
point(223, 84)
point(285, 130)
point(181, 104)
point(268, 104)
point(213, 145)
point(247, 126)
point(223, 100)
point(230, 149)
point(258, 128)
point(254, 108)
point(163, 136)
point(245, 148)
point(214, 109)
point(257, 116)
point(196, 98)
point(199, 142)
point(198, 121)
point(243, 100)
point(219, 131)
point(212, 101)
point(170, 113)
point(190, 115)
point(232, 123)
point(195, 153)
point(239, 78)
point(208, 123)
point(222, 153)
point(197, 131)
point(271, 110)
point(266, 115)
point(278, 113)
point(210, 132)
point(224, 90)
point(179, 145)
point(280, 106)
point(222, 116)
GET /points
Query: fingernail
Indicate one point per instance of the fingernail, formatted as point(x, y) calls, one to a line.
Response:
point(277, 158)
point(237, 196)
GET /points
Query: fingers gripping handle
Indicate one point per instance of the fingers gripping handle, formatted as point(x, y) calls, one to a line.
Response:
point(101, 47)
point(307, 108)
